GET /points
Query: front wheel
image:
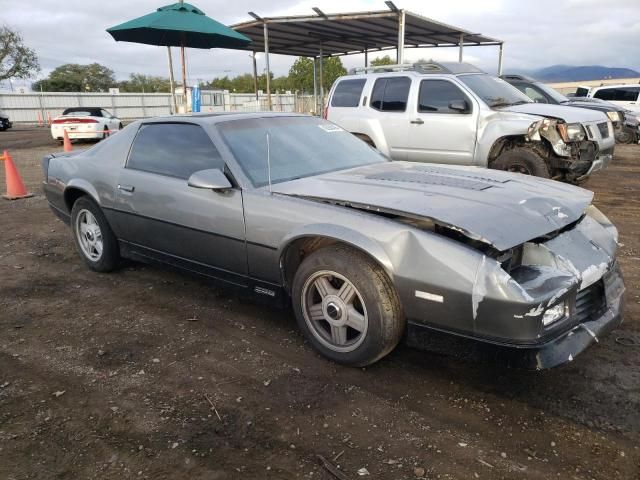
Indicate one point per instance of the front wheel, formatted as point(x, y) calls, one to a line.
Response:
point(346, 306)
point(93, 236)
point(522, 160)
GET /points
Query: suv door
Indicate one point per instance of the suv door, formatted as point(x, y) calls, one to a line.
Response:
point(161, 217)
point(440, 131)
point(389, 105)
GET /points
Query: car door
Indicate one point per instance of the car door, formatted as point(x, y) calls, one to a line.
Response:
point(161, 217)
point(443, 124)
point(112, 122)
point(388, 104)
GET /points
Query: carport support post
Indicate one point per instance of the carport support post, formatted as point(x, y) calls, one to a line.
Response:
point(172, 83)
point(315, 85)
point(461, 45)
point(321, 75)
point(500, 54)
point(366, 57)
point(255, 74)
point(266, 61)
point(401, 18)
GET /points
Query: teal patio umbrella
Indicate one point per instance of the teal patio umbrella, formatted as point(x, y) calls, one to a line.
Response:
point(179, 25)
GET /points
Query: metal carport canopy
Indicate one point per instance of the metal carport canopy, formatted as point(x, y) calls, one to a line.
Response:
point(337, 34)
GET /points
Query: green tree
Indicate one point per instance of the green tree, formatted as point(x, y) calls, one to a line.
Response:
point(73, 77)
point(139, 82)
point(380, 61)
point(301, 73)
point(16, 59)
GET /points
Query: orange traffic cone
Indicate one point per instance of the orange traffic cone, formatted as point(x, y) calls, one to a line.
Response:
point(66, 142)
point(15, 186)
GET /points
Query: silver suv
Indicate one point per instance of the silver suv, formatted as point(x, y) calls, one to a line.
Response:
point(455, 113)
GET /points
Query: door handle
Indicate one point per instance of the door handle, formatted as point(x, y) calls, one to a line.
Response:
point(418, 121)
point(126, 188)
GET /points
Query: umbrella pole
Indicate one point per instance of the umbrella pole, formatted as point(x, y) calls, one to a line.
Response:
point(184, 76)
point(172, 83)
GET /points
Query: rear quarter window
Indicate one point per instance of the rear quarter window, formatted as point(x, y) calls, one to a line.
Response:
point(347, 93)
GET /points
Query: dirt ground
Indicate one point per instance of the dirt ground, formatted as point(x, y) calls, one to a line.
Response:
point(147, 373)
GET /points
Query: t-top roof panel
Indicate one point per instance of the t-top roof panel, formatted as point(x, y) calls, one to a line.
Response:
point(349, 33)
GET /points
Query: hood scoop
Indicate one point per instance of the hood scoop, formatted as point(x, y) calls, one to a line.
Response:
point(426, 177)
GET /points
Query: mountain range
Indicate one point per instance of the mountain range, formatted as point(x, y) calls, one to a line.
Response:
point(573, 73)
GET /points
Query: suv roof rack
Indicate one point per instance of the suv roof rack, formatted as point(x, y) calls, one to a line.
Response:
point(420, 67)
point(423, 67)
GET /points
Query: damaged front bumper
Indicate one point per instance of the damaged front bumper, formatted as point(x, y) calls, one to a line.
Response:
point(565, 347)
point(573, 274)
point(562, 348)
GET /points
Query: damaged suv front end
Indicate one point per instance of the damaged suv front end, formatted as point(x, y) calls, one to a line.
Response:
point(578, 150)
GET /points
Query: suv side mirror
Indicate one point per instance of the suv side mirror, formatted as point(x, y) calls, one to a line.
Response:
point(460, 106)
point(210, 179)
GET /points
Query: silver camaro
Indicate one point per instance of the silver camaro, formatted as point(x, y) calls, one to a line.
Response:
point(295, 209)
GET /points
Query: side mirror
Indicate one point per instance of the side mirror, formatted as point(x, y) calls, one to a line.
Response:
point(460, 106)
point(211, 179)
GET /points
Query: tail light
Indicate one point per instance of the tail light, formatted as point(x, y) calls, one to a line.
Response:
point(74, 120)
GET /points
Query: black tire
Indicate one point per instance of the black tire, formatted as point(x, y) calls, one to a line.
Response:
point(105, 133)
point(626, 137)
point(109, 257)
point(522, 160)
point(375, 294)
point(120, 126)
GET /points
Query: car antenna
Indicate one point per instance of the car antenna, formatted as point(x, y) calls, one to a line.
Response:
point(269, 161)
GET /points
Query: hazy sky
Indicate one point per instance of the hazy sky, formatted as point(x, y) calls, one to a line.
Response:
point(536, 33)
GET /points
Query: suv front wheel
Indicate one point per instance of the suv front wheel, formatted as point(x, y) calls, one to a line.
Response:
point(522, 160)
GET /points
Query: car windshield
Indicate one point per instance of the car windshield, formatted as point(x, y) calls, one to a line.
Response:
point(298, 147)
point(556, 95)
point(494, 91)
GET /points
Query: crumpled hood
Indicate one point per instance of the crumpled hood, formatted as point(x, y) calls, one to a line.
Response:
point(568, 114)
point(498, 208)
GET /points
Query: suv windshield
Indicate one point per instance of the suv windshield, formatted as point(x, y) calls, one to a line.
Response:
point(494, 91)
point(556, 95)
point(298, 147)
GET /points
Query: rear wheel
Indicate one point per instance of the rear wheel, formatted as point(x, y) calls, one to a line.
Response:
point(120, 127)
point(522, 160)
point(106, 133)
point(346, 306)
point(93, 236)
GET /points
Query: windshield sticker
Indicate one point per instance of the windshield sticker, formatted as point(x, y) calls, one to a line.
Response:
point(329, 127)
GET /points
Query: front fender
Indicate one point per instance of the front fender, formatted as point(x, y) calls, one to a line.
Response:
point(342, 234)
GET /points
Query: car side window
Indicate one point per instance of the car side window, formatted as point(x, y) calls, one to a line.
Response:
point(347, 93)
point(390, 94)
point(437, 95)
point(627, 94)
point(173, 149)
point(606, 94)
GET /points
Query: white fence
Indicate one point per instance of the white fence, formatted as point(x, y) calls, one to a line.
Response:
point(34, 107)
